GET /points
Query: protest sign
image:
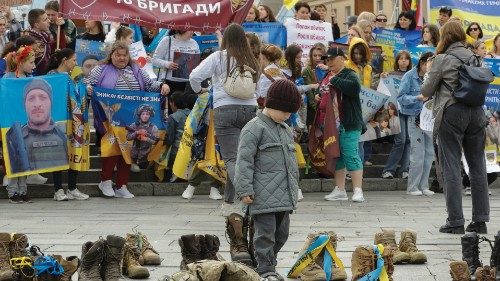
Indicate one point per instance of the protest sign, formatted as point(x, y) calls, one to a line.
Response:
point(138, 54)
point(493, 95)
point(268, 32)
point(398, 38)
point(194, 15)
point(133, 122)
point(78, 128)
point(415, 52)
point(426, 116)
point(34, 130)
point(14, 3)
point(84, 48)
point(187, 62)
point(380, 110)
point(306, 33)
point(493, 64)
point(483, 12)
point(207, 42)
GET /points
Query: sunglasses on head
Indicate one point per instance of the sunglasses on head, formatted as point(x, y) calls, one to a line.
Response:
point(474, 29)
point(381, 20)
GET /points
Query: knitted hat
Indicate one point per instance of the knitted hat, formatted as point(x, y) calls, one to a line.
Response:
point(283, 95)
point(40, 84)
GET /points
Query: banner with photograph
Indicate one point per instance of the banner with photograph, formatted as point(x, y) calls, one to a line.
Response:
point(187, 62)
point(85, 48)
point(34, 130)
point(140, 57)
point(268, 32)
point(195, 15)
point(78, 128)
point(306, 33)
point(380, 110)
point(133, 122)
point(207, 42)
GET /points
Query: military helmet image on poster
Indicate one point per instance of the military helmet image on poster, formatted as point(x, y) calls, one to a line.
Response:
point(142, 108)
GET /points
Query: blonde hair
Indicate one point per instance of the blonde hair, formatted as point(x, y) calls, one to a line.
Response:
point(16, 59)
point(115, 47)
point(370, 17)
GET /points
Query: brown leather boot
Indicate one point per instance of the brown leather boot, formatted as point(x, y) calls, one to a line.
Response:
point(387, 237)
point(190, 250)
point(92, 257)
point(459, 271)
point(362, 262)
point(238, 239)
point(5, 269)
point(211, 247)
point(408, 244)
point(148, 255)
point(70, 266)
point(112, 269)
point(485, 273)
point(131, 266)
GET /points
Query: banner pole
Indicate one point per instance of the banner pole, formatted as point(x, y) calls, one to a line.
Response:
point(58, 37)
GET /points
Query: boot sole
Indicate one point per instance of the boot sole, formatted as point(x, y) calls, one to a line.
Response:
point(454, 231)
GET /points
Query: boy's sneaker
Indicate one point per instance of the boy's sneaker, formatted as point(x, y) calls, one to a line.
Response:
point(189, 192)
point(107, 188)
point(415, 193)
point(214, 193)
point(337, 195)
point(60, 195)
point(358, 195)
point(123, 193)
point(468, 191)
point(299, 195)
point(15, 199)
point(387, 175)
point(427, 192)
point(76, 194)
point(35, 179)
point(404, 175)
point(26, 198)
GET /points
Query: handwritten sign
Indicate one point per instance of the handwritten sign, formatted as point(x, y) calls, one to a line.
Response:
point(426, 118)
point(306, 33)
point(138, 54)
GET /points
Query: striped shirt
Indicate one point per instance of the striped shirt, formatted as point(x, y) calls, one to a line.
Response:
point(130, 83)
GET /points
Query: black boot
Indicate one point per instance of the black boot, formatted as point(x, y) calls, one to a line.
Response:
point(495, 255)
point(452, 229)
point(470, 251)
point(478, 227)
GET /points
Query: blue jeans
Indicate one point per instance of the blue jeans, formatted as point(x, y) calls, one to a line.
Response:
point(365, 151)
point(421, 157)
point(400, 152)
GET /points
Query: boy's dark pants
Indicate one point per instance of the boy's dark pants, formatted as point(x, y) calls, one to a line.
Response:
point(271, 233)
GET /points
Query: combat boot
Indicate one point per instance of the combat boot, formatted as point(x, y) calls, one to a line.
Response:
point(459, 271)
point(313, 272)
point(470, 251)
point(18, 249)
point(148, 255)
point(5, 269)
point(131, 266)
point(190, 250)
point(92, 257)
point(495, 254)
point(388, 256)
point(210, 248)
point(337, 272)
point(408, 244)
point(387, 237)
point(485, 273)
point(111, 270)
point(362, 262)
point(70, 266)
point(238, 239)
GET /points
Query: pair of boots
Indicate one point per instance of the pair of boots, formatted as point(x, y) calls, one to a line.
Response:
point(459, 271)
point(314, 272)
point(101, 260)
point(240, 232)
point(470, 255)
point(13, 246)
point(364, 260)
point(198, 247)
point(138, 252)
point(407, 251)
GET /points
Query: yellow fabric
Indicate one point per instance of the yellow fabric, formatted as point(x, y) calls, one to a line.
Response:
point(367, 70)
point(78, 150)
point(299, 155)
point(383, 275)
point(289, 3)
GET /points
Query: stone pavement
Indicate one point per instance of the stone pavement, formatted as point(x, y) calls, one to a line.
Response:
point(62, 227)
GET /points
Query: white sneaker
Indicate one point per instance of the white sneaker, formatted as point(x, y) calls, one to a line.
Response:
point(107, 188)
point(36, 179)
point(489, 191)
point(60, 195)
point(135, 168)
point(468, 191)
point(415, 193)
point(299, 195)
point(5, 182)
point(404, 175)
point(357, 196)
point(76, 194)
point(189, 192)
point(427, 192)
point(387, 175)
point(123, 193)
point(214, 194)
point(337, 195)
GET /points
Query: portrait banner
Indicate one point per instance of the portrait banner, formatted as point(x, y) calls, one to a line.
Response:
point(139, 55)
point(195, 15)
point(268, 32)
point(187, 62)
point(78, 128)
point(306, 33)
point(34, 130)
point(133, 122)
point(84, 48)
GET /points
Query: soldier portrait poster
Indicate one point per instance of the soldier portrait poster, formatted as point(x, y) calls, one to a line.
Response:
point(133, 123)
point(34, 123)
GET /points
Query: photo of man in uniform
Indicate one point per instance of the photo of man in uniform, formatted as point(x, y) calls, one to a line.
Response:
point(40, 143)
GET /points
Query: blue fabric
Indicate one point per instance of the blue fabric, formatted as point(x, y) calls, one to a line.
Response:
point(156, 40)
point(409, 89)
point(400, 152)
point(3, 67)
point(375, 274)
point(137, 32)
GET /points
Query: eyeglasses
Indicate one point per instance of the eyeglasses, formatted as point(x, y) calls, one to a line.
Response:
point(474, 29)
point(381, 20)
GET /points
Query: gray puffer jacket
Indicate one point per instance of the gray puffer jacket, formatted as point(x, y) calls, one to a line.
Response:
point(266, 167)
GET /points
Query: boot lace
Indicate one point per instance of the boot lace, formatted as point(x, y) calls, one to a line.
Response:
point(142, 242)
point(19, 246)
point(409, 244)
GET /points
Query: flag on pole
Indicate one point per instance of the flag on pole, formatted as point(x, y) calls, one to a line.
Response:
point(416, 6)
point(289, 3)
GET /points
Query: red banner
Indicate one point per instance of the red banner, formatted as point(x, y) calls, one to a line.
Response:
point(195, 15)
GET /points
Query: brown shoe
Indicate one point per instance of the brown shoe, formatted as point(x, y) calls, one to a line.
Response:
point(408, 244)
point(131, 266)
point(387, 237)
point(485, 273)
point(362, 262)
point(148, 255)
point(459, 271)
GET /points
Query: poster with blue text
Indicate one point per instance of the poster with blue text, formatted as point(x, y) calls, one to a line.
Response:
point(268, 32)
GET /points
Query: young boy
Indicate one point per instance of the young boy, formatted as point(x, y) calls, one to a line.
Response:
point(267, 174)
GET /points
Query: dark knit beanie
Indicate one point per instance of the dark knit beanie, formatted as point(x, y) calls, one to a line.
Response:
point(283, 95)
point(40, 84)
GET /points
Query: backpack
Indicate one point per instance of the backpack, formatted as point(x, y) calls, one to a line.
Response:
point(240, 83)
point(473, 82)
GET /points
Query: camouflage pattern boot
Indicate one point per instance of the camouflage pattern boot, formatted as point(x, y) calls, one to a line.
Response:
point(470, 251)
point(485, 273)
point(131, 266)
point(459, 271)
point(387, 237)
point(112, 269)
point(362, 262)
point(5, 269)
point(408, 244)
point(70, 266)
point(92, 257)
point(190, 250)
point(238, 239)
point(148, 255)
point(211, 247)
